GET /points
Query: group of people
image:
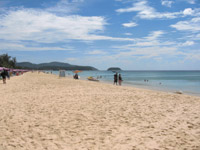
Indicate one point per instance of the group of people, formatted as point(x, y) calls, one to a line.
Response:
point(6, 73)
point(117, 79)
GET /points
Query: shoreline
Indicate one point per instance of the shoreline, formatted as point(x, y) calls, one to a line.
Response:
point(167, 90)
point(178, 86)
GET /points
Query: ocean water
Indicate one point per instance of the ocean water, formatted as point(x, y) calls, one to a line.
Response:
point(186, 81)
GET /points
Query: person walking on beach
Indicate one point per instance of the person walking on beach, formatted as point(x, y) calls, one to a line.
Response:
point(4, 74)
point(115, 78)
point(120, 79)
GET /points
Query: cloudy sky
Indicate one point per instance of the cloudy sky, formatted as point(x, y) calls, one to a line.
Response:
point(131, 34)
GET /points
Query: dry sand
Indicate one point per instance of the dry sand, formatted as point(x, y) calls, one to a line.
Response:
point(43, 112)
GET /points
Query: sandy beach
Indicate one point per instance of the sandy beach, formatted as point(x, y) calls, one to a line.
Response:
point(45, 112)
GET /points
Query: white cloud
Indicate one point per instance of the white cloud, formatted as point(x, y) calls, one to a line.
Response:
point(152, 40)
point(128, 34)
point(149, 52)
point(191, 1)
point(65, 6)
point(188, 11)
point(187, 43)
point(192, 12)
point(155, 47)
point(96, 52)
point(130, 24)
point(193, 36)
point(145, 43)
point(167, 3)
point(191, 25)
point(30, 24)
point(10, 46)
point(147, 12)
point(78, 1)
point(38, 25)
point(155, 35)
point(159, 51)
point(151, 46)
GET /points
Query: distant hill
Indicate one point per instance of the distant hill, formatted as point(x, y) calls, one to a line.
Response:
point(114, 69)
point(53, 66)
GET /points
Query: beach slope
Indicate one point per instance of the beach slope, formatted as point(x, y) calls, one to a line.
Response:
point(44, 112)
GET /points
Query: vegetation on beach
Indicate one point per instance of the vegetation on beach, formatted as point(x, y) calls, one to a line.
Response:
point(11, 62)
point(7, 61)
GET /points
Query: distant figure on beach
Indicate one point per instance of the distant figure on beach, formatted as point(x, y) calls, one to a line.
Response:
point(115, 78)
point(76, 76)
point(120, 79)
point(8, 75)
point(4, 74)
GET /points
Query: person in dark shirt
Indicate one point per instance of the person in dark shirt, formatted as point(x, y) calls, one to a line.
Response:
point(115, 78)
point(120, 79)
point(4, 74)
point(76, 76)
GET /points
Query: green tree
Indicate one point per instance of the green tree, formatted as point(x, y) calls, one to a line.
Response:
point(7, 61)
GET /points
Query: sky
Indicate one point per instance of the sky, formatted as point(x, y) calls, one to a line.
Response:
point(130, 34)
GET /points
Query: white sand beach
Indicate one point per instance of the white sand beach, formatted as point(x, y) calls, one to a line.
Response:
point(44, 112)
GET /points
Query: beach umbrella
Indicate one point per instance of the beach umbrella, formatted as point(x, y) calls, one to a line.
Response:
point(3, 68)
point(7, 69)
point(77, 71)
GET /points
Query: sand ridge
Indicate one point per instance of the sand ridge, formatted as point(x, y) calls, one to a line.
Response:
point(44, 112)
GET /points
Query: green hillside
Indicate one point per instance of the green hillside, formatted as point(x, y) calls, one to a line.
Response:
point(53, 66)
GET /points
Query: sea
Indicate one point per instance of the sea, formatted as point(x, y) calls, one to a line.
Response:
point(187, 82)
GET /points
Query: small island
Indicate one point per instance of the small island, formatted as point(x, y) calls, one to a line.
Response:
point(114, 69)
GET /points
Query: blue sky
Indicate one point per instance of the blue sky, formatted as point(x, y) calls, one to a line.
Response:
point(131, 34)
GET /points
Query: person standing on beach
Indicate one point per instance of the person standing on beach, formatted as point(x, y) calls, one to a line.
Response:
point(115, 78)
point(8, 75)
point(120, 79)
point(4, 74)
point(76, 76)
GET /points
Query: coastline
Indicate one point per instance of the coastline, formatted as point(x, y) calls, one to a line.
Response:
point(151, 88)
point(43, 111)
point(185, 82)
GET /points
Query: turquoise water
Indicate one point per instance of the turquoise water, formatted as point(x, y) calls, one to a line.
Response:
point(186, 81)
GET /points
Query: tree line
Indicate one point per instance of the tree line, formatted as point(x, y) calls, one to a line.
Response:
point(7, 61)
